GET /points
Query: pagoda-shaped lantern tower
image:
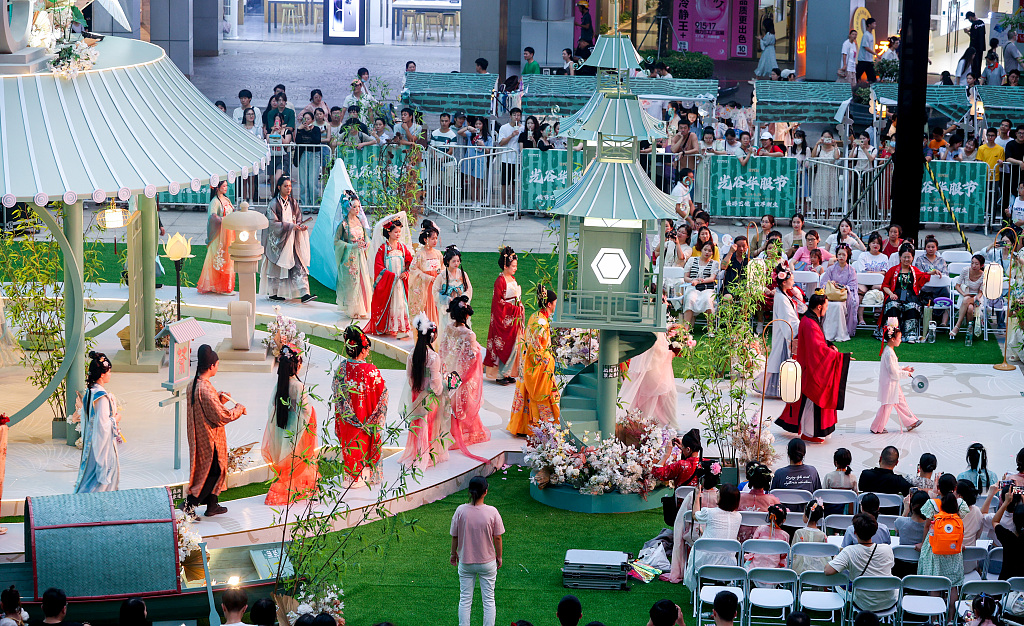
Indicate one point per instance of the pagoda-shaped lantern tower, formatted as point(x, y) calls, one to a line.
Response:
point(605, 278)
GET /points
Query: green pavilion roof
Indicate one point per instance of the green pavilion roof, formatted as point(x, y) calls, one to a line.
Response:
point(571, 93)
point(618, 114)
point(614, 52)
point(447, 92)
point(948, 100)
point(615, 190)
point(132, 124)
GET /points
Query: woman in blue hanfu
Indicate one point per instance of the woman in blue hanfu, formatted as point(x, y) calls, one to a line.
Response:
point(101, 434)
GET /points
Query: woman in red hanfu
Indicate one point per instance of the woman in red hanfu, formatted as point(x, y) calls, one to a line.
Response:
point(389, 308)
point(823, 380)
point(360, 401)
point(502, 360)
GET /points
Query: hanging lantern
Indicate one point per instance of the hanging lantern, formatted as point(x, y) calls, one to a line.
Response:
point(993, 281)
point(112, 217)
point(789, 381)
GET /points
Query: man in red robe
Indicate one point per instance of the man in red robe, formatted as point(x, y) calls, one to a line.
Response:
point(823, 380)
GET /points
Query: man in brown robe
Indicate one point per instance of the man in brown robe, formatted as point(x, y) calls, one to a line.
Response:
point(207, 442)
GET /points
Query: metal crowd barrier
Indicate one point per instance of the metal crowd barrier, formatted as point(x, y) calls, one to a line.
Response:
point(465, 183)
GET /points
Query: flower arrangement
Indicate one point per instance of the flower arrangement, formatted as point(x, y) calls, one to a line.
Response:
point(574, 346)
point(4, 420)
point(282, 331)
point(745, 443)
point(314, 601)
point(188, 541)
point(679, 338)
point(239, 459)
point(74, 58)
point(606, 465)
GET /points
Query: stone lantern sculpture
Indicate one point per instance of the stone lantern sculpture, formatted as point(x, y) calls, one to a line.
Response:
point(246, 252)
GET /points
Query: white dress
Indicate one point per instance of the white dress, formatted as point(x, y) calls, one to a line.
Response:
point(718, 524)
point(444, 289)
point(699, 300)
point(784, 308)
point(651, 385)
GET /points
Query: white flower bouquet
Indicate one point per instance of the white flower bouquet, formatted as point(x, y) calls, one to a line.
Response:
point(283, 331)
point(327, 599)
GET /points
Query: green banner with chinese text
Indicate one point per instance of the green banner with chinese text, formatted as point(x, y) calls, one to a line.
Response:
point(543, 176)
point(764, 186)
point(963, 184)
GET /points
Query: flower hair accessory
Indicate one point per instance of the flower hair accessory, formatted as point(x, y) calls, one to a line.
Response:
point(4, 420)
point(716, 469)
point(892, 322)
point(783, 275)
point(291, 350)
point(422, 324)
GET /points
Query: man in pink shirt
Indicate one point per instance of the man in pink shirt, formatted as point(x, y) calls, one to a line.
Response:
point(476, 550)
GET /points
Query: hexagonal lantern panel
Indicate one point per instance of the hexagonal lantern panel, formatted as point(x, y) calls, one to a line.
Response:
point(611, 265)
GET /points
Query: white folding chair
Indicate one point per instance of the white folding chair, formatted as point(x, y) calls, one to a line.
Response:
point(684, 491)
point(925, 605)
point(955, 269)
point(906, 553)
point(817, 593)
point(781, 597)
point(856, 254)
point(805, 277)
point(812, 550)
point(970, 589)
point(994, 564)
point(894, 259)
point(947, 283)
point(716, 546)
point(845, 497)
point(889, 521)
point(885, 500)
point(838, 523)
point(753, 518)
point(878, 584)
point(975, 554)
point(731, 578)
point(793, 498)
point(957, 256)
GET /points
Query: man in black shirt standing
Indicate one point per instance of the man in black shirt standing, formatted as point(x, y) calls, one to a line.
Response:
point(1014, 155)
point(976, 31)
point(883, 479)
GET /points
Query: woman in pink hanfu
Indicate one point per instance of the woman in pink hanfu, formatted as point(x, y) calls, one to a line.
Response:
point(462, 357)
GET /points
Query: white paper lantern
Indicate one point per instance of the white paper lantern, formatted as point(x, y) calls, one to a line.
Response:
point(789, 381)
point(993, 281)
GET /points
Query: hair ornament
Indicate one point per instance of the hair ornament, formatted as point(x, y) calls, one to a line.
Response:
point(819, 291)
point(783, 275)
point(422, 324)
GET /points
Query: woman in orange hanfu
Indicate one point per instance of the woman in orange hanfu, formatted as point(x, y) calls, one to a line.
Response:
point(289, 442)
point(218, 269)
point(536, 396)
point(360, 401)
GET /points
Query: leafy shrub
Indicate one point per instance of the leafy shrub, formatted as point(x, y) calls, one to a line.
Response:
point(689, 64)
point(888, 69)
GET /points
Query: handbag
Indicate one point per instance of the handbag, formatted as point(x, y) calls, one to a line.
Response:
point(703, 286)
point(835, 292)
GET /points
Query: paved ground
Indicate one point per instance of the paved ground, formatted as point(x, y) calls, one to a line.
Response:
point(258, 66)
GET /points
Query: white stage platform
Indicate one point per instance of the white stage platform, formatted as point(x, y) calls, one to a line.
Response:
point(965, 403)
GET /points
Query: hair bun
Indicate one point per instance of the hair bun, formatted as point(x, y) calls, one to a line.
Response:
point(92, 354)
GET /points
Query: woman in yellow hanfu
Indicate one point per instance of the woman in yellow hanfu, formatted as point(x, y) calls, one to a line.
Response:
point(536, 396)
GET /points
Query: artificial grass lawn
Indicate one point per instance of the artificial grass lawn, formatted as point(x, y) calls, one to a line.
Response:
point(482, 268)
point(411, 581)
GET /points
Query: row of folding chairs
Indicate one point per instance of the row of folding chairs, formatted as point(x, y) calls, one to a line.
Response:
point(768, 595)
point(800, 497)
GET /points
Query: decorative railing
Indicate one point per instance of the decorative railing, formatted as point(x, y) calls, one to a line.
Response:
point(608, 309)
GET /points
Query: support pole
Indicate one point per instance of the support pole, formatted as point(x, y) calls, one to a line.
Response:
point(607, 381)
point(908, 160)
point(150, 229)
point(74, 310)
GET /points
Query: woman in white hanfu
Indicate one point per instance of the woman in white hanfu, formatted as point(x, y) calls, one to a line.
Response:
point(651, 384)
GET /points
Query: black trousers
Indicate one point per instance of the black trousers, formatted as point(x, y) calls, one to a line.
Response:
point(866, 68)
point(206, 495)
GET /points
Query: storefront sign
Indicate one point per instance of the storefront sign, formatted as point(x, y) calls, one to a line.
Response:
point(702, 27)
point(744, 29)
point(766, 185)
point(963, 184)
point(544, 175)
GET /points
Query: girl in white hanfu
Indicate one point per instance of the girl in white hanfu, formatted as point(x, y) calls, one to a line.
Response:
point(889, 375)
